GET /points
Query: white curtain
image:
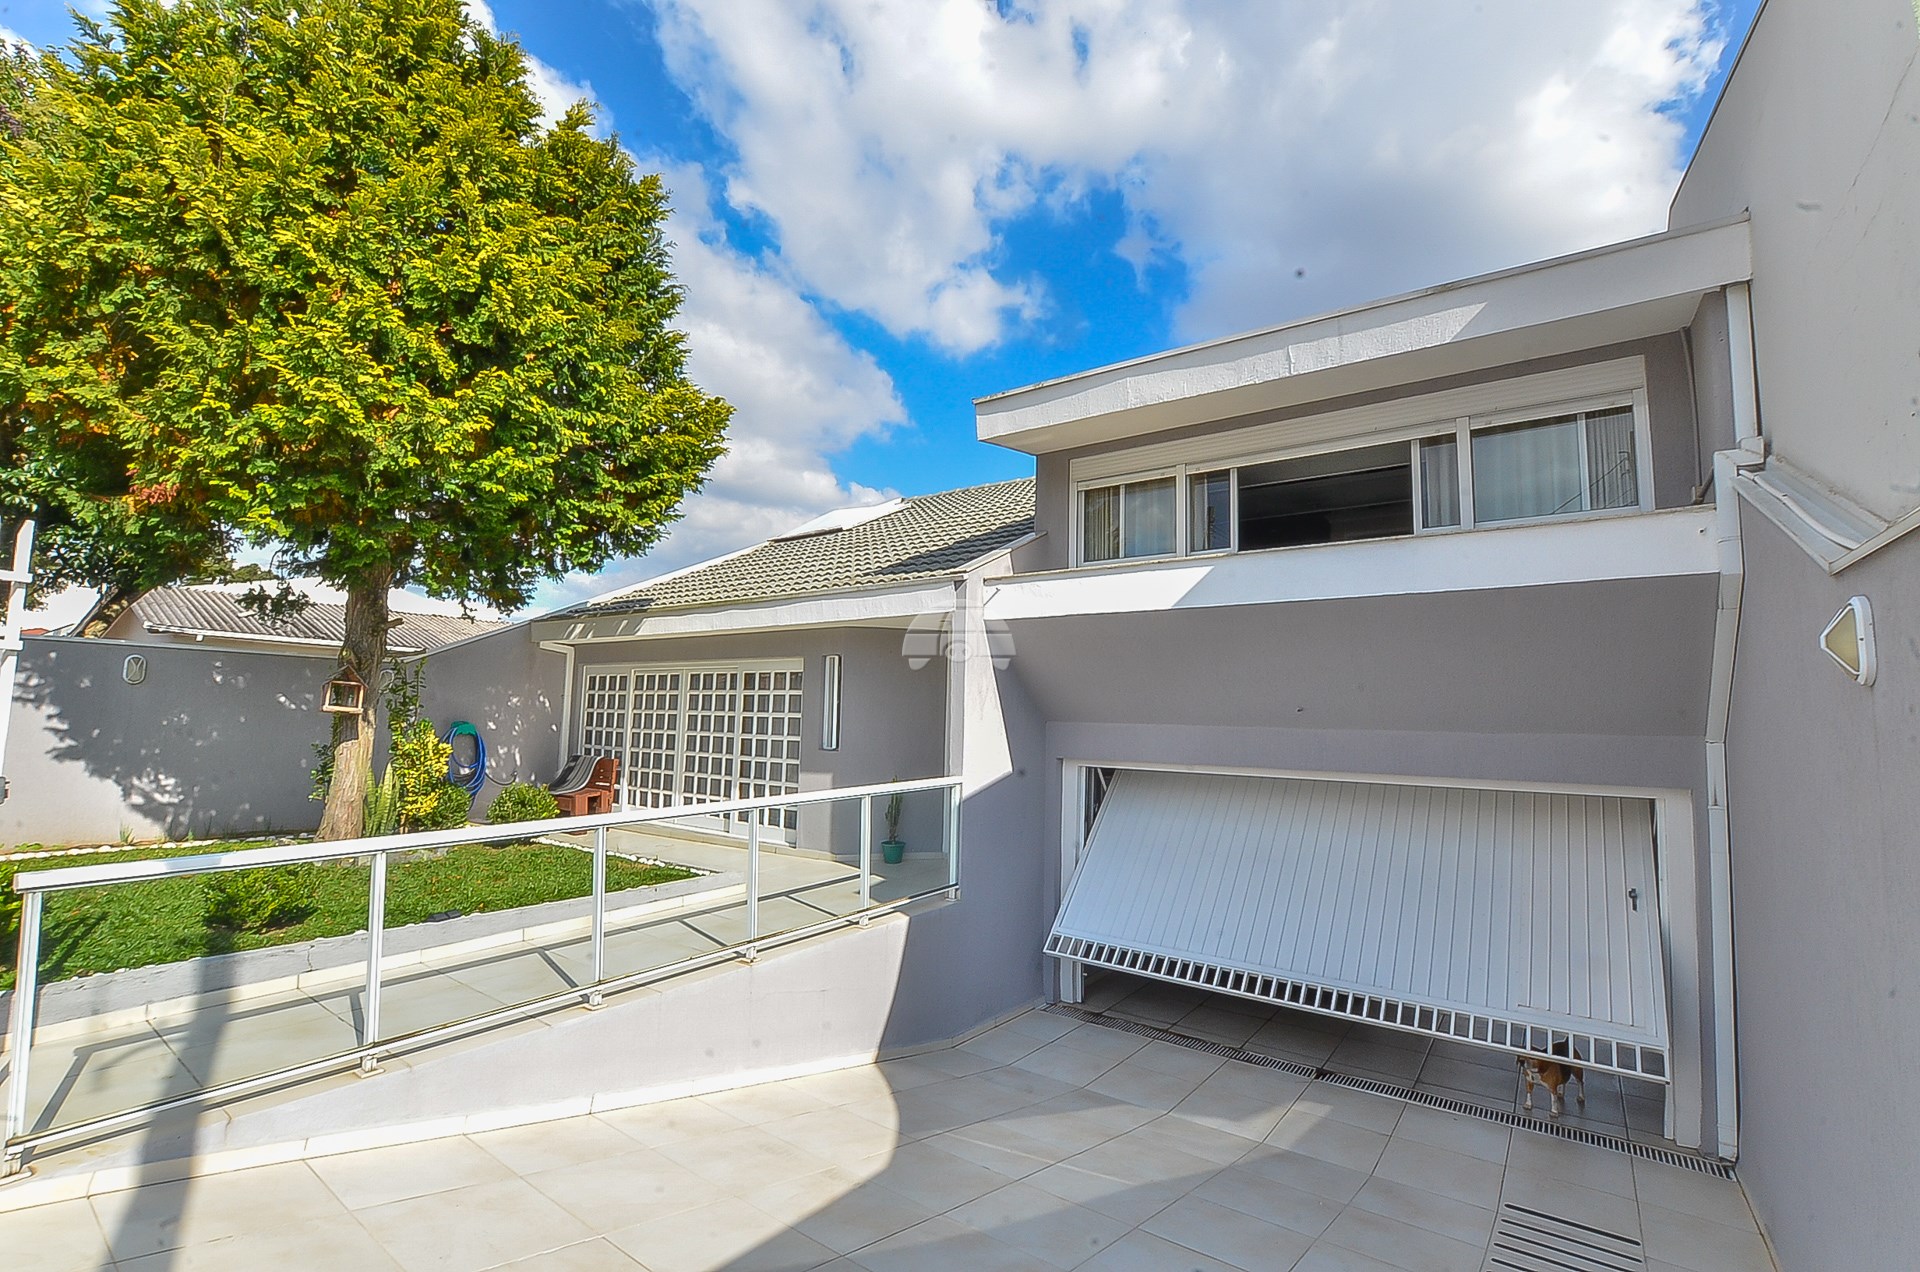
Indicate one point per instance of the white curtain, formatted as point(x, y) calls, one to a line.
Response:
point(1527, 470)
point(1611, 479)
point(1100, 524)
point(1439, 482)
point(1150, 519)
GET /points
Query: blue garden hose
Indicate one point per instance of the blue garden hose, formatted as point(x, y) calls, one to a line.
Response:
point(468, 775)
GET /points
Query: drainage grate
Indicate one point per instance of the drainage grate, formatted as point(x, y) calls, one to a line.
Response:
point(1528, 1240)
point(1579, 1135)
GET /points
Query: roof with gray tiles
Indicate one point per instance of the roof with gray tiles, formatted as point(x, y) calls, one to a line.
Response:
point(216, 611)
point(931, 536)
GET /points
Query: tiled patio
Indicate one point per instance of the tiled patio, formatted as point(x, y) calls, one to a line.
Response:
point(1041, 1144)
point(1624, 1107)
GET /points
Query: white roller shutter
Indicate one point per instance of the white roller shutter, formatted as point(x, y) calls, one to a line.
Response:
point(1507, 918)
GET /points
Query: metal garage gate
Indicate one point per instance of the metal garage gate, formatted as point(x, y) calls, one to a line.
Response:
point(1507, 918)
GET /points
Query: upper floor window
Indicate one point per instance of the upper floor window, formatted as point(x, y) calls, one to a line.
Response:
point(1484, 471)
point(1130, 519)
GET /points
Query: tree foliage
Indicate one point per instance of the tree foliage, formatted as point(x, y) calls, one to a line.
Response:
point(314, 277)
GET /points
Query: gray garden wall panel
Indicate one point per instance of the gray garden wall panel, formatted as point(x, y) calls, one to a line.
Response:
point(210, 743)
point(1669, 405)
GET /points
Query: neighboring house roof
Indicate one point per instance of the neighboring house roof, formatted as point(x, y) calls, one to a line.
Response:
point(215, 611)
point(929, 536)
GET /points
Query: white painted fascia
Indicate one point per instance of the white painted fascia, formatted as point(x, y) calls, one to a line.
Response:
point(1611, 294)
point(1830, 528)
point(1645, 545)
point(876, 606)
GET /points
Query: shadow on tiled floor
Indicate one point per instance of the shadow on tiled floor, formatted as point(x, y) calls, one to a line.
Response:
point(1044, 1143)
point(1477, 1075)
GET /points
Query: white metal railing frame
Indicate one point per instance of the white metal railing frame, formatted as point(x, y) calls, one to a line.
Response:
point(34, 886)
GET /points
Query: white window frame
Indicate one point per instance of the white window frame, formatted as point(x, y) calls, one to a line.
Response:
point(1461, 427)
point(1642, 451)
point(1177, 472)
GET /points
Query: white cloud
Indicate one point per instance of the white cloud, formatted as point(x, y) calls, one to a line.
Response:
point(9, 36)
point(800, 394)
point(1293, 155)
point(553, 90)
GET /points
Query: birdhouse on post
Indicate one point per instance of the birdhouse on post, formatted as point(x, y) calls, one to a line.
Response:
point(346, 694)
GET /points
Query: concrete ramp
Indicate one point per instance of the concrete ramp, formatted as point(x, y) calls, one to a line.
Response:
point(816, 1005)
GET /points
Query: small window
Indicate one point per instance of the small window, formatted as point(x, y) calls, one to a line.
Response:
point(1136, 519)
point(1366, 493)
point(1555, 467)
point(1210, 499)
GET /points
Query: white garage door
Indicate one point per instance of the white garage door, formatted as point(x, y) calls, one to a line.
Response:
point(1512, 919)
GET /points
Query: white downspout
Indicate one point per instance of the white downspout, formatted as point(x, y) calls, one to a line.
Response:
point(1750, 452)
point(566, 697)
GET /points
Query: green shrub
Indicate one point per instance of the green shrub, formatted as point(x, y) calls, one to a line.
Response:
point(260, 899)
point(420, 767)
point(451, 804)
point(383, 805)
point(523, 801)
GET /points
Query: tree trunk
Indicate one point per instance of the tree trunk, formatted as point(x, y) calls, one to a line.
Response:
point(364, 652)
point(113, 602)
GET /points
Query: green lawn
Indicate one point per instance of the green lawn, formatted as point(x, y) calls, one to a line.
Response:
point(163, 921)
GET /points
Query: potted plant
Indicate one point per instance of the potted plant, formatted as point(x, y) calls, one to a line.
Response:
point(893, 848)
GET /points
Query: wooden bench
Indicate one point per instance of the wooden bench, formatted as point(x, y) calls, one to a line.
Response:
point(586, 785)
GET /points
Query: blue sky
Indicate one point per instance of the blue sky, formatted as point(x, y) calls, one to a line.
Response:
point(885, 210)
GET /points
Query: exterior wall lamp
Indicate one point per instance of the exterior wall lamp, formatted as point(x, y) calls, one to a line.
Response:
point(1848, 640)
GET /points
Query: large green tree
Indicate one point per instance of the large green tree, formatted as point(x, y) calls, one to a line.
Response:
point(313, 276)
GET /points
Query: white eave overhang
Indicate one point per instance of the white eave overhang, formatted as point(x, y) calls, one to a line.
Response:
point(1626, 291)
point(1639, 546)
point(879, 607)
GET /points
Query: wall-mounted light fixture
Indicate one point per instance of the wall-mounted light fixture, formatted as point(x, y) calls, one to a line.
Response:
point(1848, 640)
point(830, 703)
point(134, 670)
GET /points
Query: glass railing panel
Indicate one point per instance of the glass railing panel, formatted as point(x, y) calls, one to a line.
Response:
point(916, 857)
point(157, 988)
point(479, 927)
point(810, 863)
point(676, 889)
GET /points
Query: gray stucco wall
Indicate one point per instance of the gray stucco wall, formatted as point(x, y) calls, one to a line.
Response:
point(210, 743)
point(1818, 137)
point(892, 714)
point(1712, 367)
point(510, 689)
point(1824, 787)
point(1670, 407)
